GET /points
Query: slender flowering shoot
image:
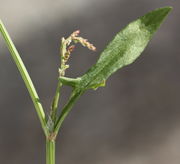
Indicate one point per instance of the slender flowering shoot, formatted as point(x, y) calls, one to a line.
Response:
point(124, 49)
point(66, 49)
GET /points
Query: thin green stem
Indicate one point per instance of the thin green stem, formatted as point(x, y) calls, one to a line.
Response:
point(56, 101)
point(67, 108)
point(59, 85)
point(62, 70)
point(50, 151)
point(25, 76)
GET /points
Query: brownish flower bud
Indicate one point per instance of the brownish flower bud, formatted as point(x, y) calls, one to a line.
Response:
point(66, 56)
point(85, 43)
point(71, 48)
point(92, 47)
point(75, 33)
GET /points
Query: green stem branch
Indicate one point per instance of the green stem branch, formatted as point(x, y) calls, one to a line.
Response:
point(56, 101)
point(56, 98)
point(67, 108)
point(25, 76)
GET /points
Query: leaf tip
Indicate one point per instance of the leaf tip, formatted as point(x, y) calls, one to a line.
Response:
point(155, 18)
point(166, 9)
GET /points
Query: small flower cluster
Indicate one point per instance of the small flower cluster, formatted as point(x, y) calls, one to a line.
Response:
point(81, 40)
point(67, 49)
point(70, 49)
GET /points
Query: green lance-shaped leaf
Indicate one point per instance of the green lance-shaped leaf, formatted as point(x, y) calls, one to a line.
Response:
point(124, 48)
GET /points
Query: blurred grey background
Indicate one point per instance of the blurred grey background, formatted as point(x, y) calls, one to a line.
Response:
point(135, 119)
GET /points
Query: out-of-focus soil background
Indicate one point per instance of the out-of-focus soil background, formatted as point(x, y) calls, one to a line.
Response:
point(135, 119)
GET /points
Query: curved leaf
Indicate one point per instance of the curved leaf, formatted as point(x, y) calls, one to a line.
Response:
point(124, 48)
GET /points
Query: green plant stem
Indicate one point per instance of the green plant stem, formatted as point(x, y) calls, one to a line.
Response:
point(27, 80)
point(50, 151)
point(56, 98)
point(67, 108)
point(56, 101)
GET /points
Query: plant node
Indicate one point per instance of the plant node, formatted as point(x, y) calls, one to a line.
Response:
point(52, 136)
